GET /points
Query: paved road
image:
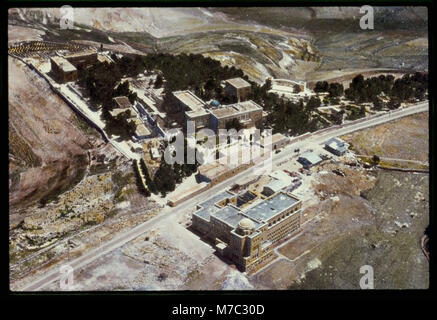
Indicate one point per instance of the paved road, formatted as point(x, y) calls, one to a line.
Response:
point(170, 213)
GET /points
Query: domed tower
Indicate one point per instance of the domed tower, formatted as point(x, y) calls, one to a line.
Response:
point(245, 227)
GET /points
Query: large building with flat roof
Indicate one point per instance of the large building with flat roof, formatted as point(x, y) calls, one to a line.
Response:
point(238, 88)
point(246, 235)
point(247, 112)
point(82, 59)
point(193, 106)
point(62, 70)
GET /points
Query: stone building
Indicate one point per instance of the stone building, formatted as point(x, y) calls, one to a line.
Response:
point(246, 236)
point(62, 70)
point(82, 59)
point(121, 102)
point(217, 171)
point(237, 88)
point(247, 112)
point(193, 107)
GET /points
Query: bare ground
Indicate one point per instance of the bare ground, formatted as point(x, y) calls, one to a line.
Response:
point(406, 138)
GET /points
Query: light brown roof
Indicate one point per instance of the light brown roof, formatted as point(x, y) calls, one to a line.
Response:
point(238, 83)
point(122, 102)
point(64, 64)
point(189, 99)
point(235, 109)
point(141, 130)
point(80, 54)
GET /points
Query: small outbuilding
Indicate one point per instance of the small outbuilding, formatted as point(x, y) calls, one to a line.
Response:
point(309, 159)
point(274, 187)
point(336, 146)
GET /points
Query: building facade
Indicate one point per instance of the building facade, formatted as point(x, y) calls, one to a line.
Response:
point(193, 107)
point(238, 89)
point(82, 59)
point(247, 112)
point(62, 70)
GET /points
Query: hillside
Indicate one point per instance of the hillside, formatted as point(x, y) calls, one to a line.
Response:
point(47, 144)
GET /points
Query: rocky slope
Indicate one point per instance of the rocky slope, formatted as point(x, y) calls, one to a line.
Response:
point(47, 149)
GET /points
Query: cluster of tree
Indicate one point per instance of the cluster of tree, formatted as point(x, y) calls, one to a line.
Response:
point(200, 74)
point(150, 183)
point(407, 88)
point(145, 191)
point(99, 81)
point(293, 118)
point(159, 81)
point(192, 71)
point(123, 90)
point(313, 103)
point(356, 113)
point(119, 125)
point(167, 175)
point(334, 89)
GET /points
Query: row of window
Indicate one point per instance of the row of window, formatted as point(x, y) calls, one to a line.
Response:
point(283, 216)
point(283, 230)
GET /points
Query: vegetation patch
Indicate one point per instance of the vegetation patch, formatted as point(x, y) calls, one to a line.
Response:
point(21, 150)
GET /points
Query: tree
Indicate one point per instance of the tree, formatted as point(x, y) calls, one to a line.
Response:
point(296, 88)
point(121, 90)
point(165, 178)
point(335, 89)
point(393, 103)
point(159, 81)
point(313, 103)
point(337, 117)
point(377, 104)
point(267, 85)
point(375, 160)
point(321, 86)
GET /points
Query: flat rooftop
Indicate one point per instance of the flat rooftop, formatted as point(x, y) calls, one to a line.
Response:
point(229, 215)
point(215, 169)
point(270, 207)
point(142, 130)
point(238, 83)
point(311, 157)
point(189, 99)
point(116, 111)
point(277, 185)
point(337, 144)
point(64, 64)
point(232, 216)
point(275, 139)
point(209, 207)
point(81, 54)
point(122, 102)
point(235, 109)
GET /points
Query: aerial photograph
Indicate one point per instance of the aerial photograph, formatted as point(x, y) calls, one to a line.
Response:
point(218, 148)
